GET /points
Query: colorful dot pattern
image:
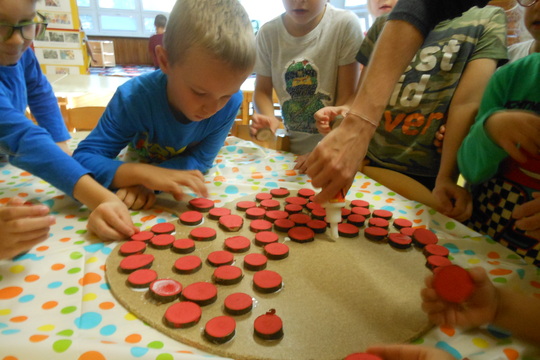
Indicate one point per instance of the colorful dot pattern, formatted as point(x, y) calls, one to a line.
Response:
point(55, 302)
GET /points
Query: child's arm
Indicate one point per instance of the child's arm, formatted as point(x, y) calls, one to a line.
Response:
point(409, 352)
point(22, 227)
point(264, 106)
point(454, 201)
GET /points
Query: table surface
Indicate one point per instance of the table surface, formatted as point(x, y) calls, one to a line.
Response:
point(55, 302)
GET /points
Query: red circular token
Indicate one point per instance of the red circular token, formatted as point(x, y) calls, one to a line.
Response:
point(345, 213)
point(301, 234)
point(435, 261)
point(399, 241)
point(238, 303)
point(220, 329)
point(163, 228)
point(422, 237)
point(237, 244)
point(407, 231)
point(165, 290)
point(135, 262)
point(293, 208)
point(306, 193)
point(356, 219)
point(276, 251)
point(279, 193)
point(183, 246)
point(220, 257)
point(142, 278)
point(255, 213)
point(255, 262)
point(362, 356)
point(318, 226)
point(218, 212)
point(402, 223)
point(267, 281)
point(270, 204)
point(201, 204)
point(228, 275)
point(231, 222)
point(283, 225)
point(142, 236)
point(359, 203)
point(162, 241)
point(132, 248)
point(260, 225)
point(361, 211)
point(348, 230)
point(268, 326)
point(191, 218)
point(188, 264)
point(265, 237)
point(375, 233)
point(300, 219)
point(203, 234)
point(318, 213)
point(378, 222)
point(434, 249)
point(263, 196)
point(453, 283)
point(244, 205)
point(313, 205)
point(183, 314)
point(274, 215)
point(201, 293)
point(296, 200)
point(385, 214)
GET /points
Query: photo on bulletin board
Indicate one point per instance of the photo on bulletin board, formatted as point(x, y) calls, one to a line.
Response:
point(59, 20)
point(63, 70)
point(60, 39)
point(55, 5)
point(47, 56)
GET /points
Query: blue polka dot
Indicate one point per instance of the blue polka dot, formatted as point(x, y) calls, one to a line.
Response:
point(230, 148)
point(240, 151)
point(469, 252)
point(452, 248)
point(88, 320)
point(6, 172)
point(271, 184)
point(231, 189)
point(67, 228)
point(138, 351)
point(497, 332)
point(446, 347)
point(279, 158)
point(26, 298)
point(3, 325)
point(378, 192)
point(55, 285)
point(521, 273)
point(93, 247)
point(106, 250)
point(105, 286)
point(388, 207)
point(10, 331)
point(32, 257)
point(108, 330)
point(221, 166)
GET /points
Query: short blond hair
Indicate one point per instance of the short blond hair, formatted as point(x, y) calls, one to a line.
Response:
point(221, 27)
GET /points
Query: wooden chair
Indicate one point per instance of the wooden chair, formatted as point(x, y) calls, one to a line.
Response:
point(83, 118)
point(242, 131)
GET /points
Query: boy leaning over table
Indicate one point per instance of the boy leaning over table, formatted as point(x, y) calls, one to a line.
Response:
point(175, 119)
point(41, 150)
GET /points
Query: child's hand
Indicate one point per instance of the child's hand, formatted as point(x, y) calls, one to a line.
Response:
point(65, 147)
point(453, 200)
point(439, 138)
point(515, 131)
point(137, 197)
point(323, 117)
point(409, 352)
point(301, 163)
point(479, 309)
point(528, 216)
point(172, 181)
point(22, 227)
point(259, 121)
point(111, 221)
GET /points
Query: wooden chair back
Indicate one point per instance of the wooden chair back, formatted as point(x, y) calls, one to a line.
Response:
point(84, 118)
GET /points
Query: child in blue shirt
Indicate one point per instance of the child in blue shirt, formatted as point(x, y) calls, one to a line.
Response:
point(175, 120)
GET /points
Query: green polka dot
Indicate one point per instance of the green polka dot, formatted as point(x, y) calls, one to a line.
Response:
point(68, 310)
point(513, 257)
point(264, 189)
point(432, 212)
point(500, 280)
point(256, 182)
point(76, 255)
point(1, 278)
point(218, 183)
point(156, 345)
point(391, 193)
point(74, 271)
point(450, 225)
point(61, 345)
point(82, 219)
point(419, 341)
point(223, 195)
point(165, 357)
point(138, 224)
point(272, 160)
point(82, 231)
point(80, 242)
point(72, 290)
point(359, 195)
point(65, 333)
point(135, 213)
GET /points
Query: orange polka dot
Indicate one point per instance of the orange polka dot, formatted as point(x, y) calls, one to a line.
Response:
point(511, 354)
point(39, 190)
point(287, 173)
point(500, 272)
point(57, 267)
point(31, 278)
point(10, 358)
point(184, 352)
point(133, 338)
point(148, 218)
point(102, 267)
point(42, 248)
point(25, 173)
point(4, 200)
point(390, 200)
point(268, 168)
point(448, 330)
point(38, 338)
point(107, 342)
point(535, 284)
point(65, 239)
point(90, 278)
point(22, 194)
point(235, 169)
point(365, 185)
point(70, 216)
point(49, 305)
point(92, 355)
point(19, 319)
point(106, 305)
point(10, 292)
point(494, 262)
point(258, 175)
point(420, 212)
point(493, 255)
point(417, 221)
point(219, 178)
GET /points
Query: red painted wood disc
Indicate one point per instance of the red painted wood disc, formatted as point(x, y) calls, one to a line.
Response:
point(220, 257)
point(163, 228)
point(267, 281)
point(142, 236)
point(244, 205)
point(300, 219)
point(220, 329)
point(378, 222)
point(162, 241)
point(260, 225)
point(380, 213)
point(165, 290)
point(203, 234)
point(191, 218)
point(263, 196)
point(201, 293)
point(142, 278)
point(402, 223)
point(407, 231)
point(231, 222)
point(318, 226)
point(255, 261)
point(265, 237)
point(274, 215)
point(375, 233)
point(255, 213)
point(306, 193)
point(228, 275)
point(348, 230)
point(361, 211)
point(435, 261)
point(237, 244)
point(301, 234)
point(283, 225)
point(132, 248)
point(298, 200)
point(279, 193)
point(188, 264)
point(218, 212)
point(360, 203)
point(201, 204)
point(135, 262)
point(356, 219)
point(435, 249)
point(183, 246)
point(362, 356)
point(422, 237)
point(399, 241)
point(183, 314)
point(293, 208)
point(238, 303)
point(453, 283)
point(268, 326)
point(270, 204)
point(276, 251)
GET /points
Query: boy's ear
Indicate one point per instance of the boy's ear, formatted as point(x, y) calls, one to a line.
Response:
point(162, 58)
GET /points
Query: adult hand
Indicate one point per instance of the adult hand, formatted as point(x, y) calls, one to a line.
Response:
point(300, 163)
point(325, 116)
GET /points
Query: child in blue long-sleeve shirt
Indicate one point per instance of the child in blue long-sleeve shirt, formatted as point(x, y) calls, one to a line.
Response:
point(175, 119)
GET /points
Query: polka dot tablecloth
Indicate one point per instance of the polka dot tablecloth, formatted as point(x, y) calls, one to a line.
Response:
point(56, 304)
